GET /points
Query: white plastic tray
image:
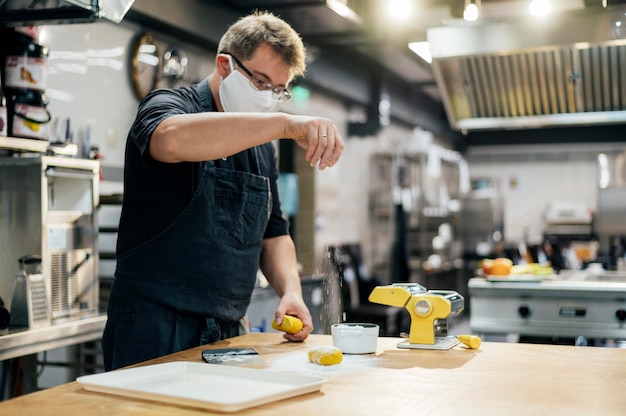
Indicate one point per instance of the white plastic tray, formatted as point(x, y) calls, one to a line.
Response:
point(210, 386)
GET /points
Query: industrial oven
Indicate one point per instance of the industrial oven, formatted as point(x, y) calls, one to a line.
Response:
point(572, 304)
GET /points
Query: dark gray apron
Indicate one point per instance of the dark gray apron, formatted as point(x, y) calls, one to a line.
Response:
point(192, 283)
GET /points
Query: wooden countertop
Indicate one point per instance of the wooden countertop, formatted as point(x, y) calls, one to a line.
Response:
point(496, 379)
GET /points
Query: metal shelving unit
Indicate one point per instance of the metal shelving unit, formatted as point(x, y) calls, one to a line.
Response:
point(431, 222)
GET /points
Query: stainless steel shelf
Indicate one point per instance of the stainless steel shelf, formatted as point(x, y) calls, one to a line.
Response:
point(22, 342)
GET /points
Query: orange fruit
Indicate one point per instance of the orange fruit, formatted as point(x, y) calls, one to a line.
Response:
point(501, 267)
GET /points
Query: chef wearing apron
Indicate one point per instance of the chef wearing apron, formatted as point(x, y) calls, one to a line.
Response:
point(201, 211)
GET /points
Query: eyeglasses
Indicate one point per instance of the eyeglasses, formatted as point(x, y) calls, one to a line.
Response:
point(279, 94)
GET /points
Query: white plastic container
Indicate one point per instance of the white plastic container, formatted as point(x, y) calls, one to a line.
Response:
point(355, 338)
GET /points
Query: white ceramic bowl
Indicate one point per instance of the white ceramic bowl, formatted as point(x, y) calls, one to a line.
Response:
point(355, 338)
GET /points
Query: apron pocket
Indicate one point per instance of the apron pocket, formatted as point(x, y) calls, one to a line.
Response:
point(241, 217)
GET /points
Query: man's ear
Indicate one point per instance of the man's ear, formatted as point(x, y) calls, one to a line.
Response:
point(223, 65)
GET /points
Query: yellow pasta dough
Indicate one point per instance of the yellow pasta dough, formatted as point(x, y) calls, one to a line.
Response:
point(325, 355)
point(290, 324)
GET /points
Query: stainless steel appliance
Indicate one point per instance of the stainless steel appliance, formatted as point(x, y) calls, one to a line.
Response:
point(569, 219)
point(48, 208)
point(514, 73)
point(429, 311)
point(611, 212)
point(572, 304)
point(30, 304)
point(483, 218)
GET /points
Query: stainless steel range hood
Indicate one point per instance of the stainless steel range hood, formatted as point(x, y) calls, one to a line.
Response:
point(42, 12)
point(570, 70)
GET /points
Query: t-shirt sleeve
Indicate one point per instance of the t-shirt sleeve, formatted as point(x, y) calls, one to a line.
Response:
point(153, 109)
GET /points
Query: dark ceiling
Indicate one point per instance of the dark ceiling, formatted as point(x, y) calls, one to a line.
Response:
point(373, 39)
point(365, 39)
point(369, 38)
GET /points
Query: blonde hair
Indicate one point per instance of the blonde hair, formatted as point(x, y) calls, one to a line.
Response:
point(261, 27)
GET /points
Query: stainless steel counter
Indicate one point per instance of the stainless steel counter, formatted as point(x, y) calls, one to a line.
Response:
point(18, 343)
point(568, 305)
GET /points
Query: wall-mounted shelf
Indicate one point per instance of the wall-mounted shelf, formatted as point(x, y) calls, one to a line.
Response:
point(24, 145)
point(18, 145)
point(47, 12)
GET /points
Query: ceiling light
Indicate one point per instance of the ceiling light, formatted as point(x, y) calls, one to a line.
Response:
point(422, 49)
point(399, 9)
point(471, 10)
point(539, 7)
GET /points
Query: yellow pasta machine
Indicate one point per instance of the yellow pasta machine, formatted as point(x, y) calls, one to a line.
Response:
point(429, 311)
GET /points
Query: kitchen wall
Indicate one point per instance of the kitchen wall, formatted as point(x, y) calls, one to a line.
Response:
point(530, 178)
point(89, 81)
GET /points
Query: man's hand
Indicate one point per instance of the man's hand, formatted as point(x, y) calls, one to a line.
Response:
point(319, 137)
point(294, 305)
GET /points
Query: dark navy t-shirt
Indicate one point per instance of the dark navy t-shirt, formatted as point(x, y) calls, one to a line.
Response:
point(155, 193)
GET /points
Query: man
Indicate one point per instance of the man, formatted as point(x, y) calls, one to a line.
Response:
point(201, 211)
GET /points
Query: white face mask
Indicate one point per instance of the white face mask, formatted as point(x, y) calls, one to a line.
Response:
point(237, 95)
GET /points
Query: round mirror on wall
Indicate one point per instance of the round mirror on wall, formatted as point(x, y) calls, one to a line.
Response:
point(145, 65)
